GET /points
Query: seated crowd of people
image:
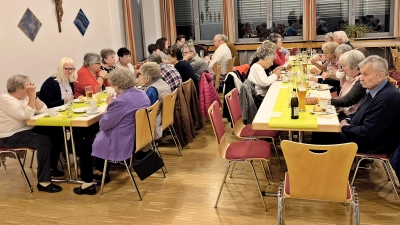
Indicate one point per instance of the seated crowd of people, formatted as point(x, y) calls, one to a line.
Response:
point(369, 105)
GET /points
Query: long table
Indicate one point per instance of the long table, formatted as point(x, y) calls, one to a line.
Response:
point(265, 112)
point(83, 120)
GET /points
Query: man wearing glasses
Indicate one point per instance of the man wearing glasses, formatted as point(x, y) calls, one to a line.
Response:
point(180, 42)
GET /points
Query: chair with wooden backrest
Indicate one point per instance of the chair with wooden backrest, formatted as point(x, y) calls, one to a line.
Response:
point(318, 172)
point(15, 152)
point(384, 159)
point(246, 131)
point(167, 119)
point(217, 71)
point(244, 59)
point(393, 82)
point(144, 136)
point(230, 64)
point(241, 151)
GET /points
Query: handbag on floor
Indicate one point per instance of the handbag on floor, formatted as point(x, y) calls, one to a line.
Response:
point(147, 163)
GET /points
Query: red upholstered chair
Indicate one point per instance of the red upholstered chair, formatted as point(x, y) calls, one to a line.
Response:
point(15, 152)
point(246, 131)
point(318, 172)
point(242, 151)
point(384, 159)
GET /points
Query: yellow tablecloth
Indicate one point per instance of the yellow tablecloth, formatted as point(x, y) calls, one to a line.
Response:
point(61, 120)
point(306, 119)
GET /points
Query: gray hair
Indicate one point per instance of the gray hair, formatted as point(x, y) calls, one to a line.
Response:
point(191, 48)
point(91, 58)
point(351, 59)
point(105, 53)
point(151, 70)
point(330, 35)
point(16, 82)
point(265, 45)
point(342, 36)
point(267, 54)
point(342, 49)
point(154, 58)
point(222, 37)
point(377, 63)
point(122, 78)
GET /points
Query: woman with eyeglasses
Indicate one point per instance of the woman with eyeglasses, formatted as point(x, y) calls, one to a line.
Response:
point(90, 74)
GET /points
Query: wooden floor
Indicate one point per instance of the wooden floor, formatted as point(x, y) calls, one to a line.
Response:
point(187, 195)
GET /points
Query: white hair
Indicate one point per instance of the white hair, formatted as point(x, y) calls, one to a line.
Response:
point(377, 63)
point(342, 36)
point(351, 58)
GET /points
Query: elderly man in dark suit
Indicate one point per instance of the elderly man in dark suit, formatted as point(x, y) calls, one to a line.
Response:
point(375, 126)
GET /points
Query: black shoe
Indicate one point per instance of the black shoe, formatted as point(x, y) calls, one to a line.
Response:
point(51, 188)
point(98, 178)
point(57, 173)
point(91, 190)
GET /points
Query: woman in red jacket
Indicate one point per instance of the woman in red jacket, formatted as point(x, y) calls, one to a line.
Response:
point(280, 57)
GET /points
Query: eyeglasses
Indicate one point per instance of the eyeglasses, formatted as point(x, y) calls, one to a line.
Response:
point(69, 69)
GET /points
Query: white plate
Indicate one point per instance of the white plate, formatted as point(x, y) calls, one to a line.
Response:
point(93, 113)
point(330, 110)
point(60, 108)
point(81, 110)
point(321, 89)
point(47, 115)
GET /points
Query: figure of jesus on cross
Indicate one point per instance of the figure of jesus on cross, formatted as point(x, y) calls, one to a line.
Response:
point(59, 13)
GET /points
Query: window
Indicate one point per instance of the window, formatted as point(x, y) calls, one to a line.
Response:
point(198, 19)
point(255, 17)
point(333, 15)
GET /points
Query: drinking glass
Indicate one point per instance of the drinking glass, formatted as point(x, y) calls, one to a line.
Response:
point(301, 91)
point(201, 53)
point(69, 105)
point(309, 52)
point(89, 93)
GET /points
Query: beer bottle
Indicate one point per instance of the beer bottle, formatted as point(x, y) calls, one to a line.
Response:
point(294, 105)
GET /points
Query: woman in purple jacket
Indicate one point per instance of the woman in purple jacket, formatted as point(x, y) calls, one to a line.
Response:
point(116, 138)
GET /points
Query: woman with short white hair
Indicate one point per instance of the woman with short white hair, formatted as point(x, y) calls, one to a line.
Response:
point(17, 106)
point(155, 87)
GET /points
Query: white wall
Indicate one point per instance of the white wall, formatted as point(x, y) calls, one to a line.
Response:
point(39, 59)
point(151, 22)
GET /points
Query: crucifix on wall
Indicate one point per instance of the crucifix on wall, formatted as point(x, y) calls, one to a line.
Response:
point(59, 13)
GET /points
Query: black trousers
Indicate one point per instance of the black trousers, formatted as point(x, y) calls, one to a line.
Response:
point(57, 142)
point(32, 139)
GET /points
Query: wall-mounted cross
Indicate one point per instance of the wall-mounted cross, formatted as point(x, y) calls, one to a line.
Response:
point(59, 13)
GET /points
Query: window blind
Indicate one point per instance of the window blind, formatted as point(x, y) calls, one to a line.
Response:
point(281, 9)
point(332, 8)
point(371, 7)
point(252, 11)
point(183, 12)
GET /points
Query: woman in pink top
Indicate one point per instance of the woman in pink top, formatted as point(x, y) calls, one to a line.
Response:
point(280, 57)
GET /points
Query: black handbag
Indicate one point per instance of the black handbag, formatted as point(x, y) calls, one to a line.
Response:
point(147, 163)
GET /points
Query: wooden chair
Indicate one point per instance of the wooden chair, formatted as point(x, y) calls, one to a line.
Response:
point(242, 151)
point(15, 152)
point(384, 159)
point(142, 139)
point(230, 64)
point(246, 131)
point(244, 59)
point(167, 119)
point(217, 71)
point(318, 172)
point(393, 82)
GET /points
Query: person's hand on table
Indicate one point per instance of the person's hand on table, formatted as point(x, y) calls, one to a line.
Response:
point(30, 89)
point(311, 100)
point(314, 71)
point(289, 67)
point(315, 79)
point(343, 123)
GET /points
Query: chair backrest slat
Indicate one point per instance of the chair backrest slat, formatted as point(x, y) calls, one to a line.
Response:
point(319, 172)
point(229, 66)
point(217, 72)
point(218, 127)
point(233, 103)
point(143, 135)
point(168, 108)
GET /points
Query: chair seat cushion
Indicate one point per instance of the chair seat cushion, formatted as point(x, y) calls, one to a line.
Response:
point(248, 150)
point(248, 131)
point(287, 186)
point(381, 156)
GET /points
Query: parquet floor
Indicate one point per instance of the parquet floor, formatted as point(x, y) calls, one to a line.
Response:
point(187, 195)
